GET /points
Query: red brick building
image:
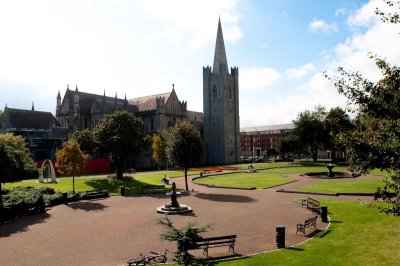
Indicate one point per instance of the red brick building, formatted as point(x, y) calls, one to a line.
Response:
point(255, 140)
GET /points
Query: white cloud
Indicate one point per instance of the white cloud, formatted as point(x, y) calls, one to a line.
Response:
point(299, 72)
point(254, 79)
point(365, 16)
point(321, 25)
point(340, 11)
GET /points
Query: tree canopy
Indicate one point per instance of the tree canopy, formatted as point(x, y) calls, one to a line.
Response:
point(185, 146)
point(119, 135)
point(70, 160)
point(310, 130)
point(15, 161)
point(158, 147)
point(85, 139)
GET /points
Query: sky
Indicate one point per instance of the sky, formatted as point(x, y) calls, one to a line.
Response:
point(142, 47)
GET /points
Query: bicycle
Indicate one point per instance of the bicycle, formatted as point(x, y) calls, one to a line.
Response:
point(156, 257)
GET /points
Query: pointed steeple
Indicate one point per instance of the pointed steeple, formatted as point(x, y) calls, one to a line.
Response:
point(58, 95)
point(220, 55)
point(33, 106)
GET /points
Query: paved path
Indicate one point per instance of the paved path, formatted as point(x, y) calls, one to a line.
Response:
point(113, 230)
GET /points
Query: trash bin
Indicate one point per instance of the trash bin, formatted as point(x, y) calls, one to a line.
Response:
point(324, 214)
point(122, 191)
point(280, 236)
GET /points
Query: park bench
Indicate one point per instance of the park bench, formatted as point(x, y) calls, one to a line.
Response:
point(213, 242)
point(153, 189)
point(312, 204)
point(307, 223)
point(93, 194)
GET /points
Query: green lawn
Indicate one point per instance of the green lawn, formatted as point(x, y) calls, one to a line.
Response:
point(101, 182)
point(245, 180)
point(358, 235)
point(352, 185)
point(260, 165)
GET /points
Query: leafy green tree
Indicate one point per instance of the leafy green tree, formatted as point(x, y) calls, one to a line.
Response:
point(272, 153)
point(337, 122)
point(70, 160)
point(85, 139)
point(15, 161)
point(120, 136)
point(290, 145)
point(390, 17)
point(375, 142)
point(310, 130)
point(184, 146)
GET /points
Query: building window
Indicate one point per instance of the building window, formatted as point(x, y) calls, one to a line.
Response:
point(214, 92)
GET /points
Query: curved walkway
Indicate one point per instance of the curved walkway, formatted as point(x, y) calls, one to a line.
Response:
point(113, 230)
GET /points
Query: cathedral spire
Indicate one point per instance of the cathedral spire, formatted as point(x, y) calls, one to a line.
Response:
point(220, 55)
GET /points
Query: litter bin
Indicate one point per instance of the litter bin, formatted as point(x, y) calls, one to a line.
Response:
point(122, 191)
point(280, 236)
point(324, 214)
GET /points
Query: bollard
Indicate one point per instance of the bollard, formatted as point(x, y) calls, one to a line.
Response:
point(122, 191)
point(280, 236)
point(324, 214)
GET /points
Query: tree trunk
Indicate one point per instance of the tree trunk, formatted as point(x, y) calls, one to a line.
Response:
point(186, 182)
point(1, 199)
point(73, 184)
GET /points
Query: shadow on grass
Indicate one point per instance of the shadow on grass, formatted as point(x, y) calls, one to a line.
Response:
point(336, 222)
point(224, 197)
point(87, 206)
point(113, 186)
point(295, 249)
point(325, 233)
point(215, 260)
point(22, 224)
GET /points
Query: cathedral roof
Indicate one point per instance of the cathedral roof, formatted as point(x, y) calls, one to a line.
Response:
point(219, 55)
point(149, 102)
point(18, 118)
point(109, 106)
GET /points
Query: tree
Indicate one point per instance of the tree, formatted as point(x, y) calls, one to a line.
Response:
point(184, 146)
point(158, 146)
point(290, 145)
point(310, 130)
point(85, 139)
point(15, 161)
point(375, 142)
point(70, 160)
point(120, 136)
point(337, 122)
point(389, 17)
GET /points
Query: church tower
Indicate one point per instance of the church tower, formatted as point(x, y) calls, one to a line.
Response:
point(221, 108)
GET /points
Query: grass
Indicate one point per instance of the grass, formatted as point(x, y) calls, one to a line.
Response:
point(101, 182)
point(358, 235)
point(245, 180)
point(353, 185)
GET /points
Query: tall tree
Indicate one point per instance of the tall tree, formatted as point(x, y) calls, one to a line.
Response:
point(184, 146)
point(85, 139)
point(70, 160)
point(120, 136)
point(158, 146)
point(337, 122)
point(310, 130)
point(15, 161)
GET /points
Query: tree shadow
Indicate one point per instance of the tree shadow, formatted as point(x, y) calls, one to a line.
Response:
point(336, 222)
point(295, 249)
point(224, 197)
point(325, 233)
point(87, 206)
point(22, 224)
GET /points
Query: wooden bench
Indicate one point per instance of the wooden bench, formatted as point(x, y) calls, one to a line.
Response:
point(307, 223)
point(93, 194)
point(312, 204)
point(153, 189)
point(213, 242)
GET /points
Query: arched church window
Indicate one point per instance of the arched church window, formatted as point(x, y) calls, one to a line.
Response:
point(214, 92)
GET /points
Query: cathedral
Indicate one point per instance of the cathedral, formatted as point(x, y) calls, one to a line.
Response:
point(80, 110)
point(219, 125)
point(221, 108)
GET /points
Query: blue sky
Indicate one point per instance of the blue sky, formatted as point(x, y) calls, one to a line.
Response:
point(141, 47)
